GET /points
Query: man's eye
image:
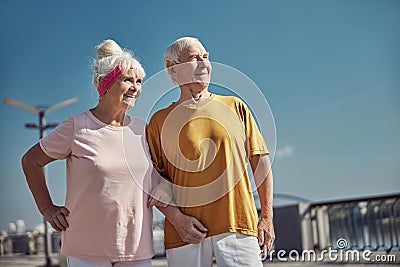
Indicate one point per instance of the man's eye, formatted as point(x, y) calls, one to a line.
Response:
point(139, 81)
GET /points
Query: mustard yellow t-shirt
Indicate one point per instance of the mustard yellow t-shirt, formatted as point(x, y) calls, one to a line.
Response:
point(203, 149)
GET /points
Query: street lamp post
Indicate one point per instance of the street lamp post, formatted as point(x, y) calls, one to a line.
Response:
point(41, 111)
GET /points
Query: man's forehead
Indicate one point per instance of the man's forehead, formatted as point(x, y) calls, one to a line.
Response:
point(196, 48)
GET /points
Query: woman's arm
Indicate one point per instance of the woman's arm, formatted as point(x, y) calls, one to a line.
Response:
point(32, 164)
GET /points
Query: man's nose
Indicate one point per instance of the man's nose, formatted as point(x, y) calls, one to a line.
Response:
point(200, 58)
point(203, 64)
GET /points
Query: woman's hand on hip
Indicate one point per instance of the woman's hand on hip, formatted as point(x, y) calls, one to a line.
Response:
point(57, 217)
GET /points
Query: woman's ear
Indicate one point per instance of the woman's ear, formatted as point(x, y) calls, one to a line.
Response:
point(101, 80)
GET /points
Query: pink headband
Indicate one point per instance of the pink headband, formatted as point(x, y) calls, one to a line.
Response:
point(109, 80)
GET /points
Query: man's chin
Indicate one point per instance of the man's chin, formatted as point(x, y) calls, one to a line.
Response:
point(197, 84)
point(205, 84)
point(202, 83)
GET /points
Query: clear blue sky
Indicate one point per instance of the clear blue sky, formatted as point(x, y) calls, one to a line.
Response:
point(330, 71)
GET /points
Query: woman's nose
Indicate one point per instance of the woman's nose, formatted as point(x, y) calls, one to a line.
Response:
point(135, 87)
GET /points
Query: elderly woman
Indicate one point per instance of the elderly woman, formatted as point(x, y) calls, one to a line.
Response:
point(105, 220)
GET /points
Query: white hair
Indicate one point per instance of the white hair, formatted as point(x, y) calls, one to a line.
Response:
point(175, 49)
point(110, 54)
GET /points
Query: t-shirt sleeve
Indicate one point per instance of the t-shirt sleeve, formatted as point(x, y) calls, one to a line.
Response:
point(57, 144)
point(255, 142)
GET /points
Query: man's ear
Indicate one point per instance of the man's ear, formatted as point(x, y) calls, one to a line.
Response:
point(168, 65)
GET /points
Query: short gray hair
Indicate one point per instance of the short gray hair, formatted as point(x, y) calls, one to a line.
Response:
point(174, 50)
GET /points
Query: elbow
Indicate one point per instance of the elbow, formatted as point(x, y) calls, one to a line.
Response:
point(25, 160)
point(29, 160)
point(34, 159)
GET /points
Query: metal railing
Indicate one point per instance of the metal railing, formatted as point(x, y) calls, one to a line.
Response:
point(29, 243)
point(371, 223)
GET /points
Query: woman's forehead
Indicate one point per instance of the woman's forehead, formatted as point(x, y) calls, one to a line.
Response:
point(132, 73)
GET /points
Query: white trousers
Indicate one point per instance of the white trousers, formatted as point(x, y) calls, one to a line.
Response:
point(229, 249)
point(76, 262)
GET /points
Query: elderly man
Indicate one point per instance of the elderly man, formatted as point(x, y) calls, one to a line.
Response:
point(201, 144)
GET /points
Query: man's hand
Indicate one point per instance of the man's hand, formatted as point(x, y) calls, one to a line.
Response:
point(161, 195)
point(266, 235)
point(57, 217)
point(189, 228)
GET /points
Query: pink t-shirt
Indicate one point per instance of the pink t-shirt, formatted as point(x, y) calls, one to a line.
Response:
point(107, 169)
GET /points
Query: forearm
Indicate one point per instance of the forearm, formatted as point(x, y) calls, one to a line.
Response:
point(265, 193)
point(33, 167)
point(170, 212)
point(264, 180)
